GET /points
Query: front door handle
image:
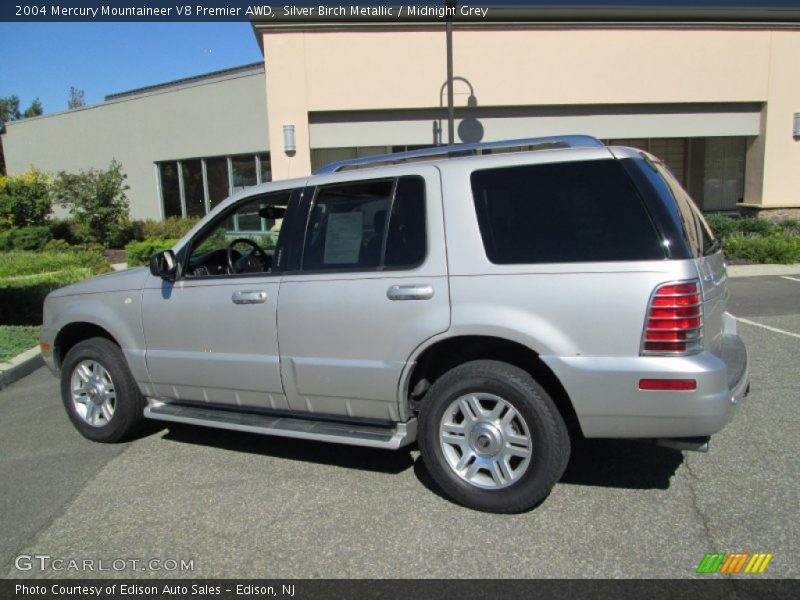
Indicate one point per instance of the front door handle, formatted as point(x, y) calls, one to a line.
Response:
point(249, 297)
point(410, 292)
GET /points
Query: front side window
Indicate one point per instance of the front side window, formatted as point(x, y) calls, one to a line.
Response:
point(367, 225)
point(586, 211)
point(243, 241)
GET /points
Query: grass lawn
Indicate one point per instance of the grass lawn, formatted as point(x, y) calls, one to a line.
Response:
point(17, 338)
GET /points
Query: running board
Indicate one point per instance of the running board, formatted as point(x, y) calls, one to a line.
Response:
point(371, 436)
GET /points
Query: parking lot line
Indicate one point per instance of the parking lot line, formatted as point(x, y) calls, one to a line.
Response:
point(775, 329)
point(790, 278)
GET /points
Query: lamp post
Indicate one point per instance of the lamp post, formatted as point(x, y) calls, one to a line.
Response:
point(451, 9)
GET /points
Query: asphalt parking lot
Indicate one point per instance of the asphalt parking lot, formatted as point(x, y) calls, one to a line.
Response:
point(247, 506)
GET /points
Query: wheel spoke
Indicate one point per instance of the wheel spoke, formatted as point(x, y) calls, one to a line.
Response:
point(485, 440)
point(473, 469)
point(466, 410)
point(107, 411)
point(464, 460)
point(455, 440)
point(500, 471)
point(516, 440)
point(521, 451)
point(83, 372)
point(91, 412)
point(476, 406)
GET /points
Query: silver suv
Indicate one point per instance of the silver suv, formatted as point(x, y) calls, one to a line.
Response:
point(491, 305)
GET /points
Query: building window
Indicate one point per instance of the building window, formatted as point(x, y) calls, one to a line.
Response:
point(217, 176)
point(193, 192)
point(243, 169)
point(191, 187)
point(170, 189)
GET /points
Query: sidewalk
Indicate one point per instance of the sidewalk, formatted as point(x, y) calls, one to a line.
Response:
point(20, 366)
point(762, 270)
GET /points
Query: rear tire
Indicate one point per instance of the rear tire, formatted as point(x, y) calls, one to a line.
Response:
point(99, 393)
point(492, 438)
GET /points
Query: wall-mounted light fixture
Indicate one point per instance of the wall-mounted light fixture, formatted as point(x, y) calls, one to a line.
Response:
point(289, 145)
point(796, 130)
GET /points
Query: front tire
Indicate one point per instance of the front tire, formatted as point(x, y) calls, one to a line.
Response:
point(99, 393)
point(492, 438)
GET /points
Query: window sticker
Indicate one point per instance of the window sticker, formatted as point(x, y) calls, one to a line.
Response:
point(343, 238)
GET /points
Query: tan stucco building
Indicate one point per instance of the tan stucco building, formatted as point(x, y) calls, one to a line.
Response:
point(717, 100)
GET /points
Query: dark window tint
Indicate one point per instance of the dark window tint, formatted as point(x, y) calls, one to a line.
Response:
point(696, 230)
point(218, 189)
point(170, 189)
point(565, 212)
point(193, 188)
point(346, 226)
point(406, 241)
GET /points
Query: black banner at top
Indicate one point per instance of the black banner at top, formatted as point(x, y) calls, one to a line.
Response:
point(394, 11)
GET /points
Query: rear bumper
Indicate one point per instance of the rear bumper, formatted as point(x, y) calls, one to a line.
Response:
point(608, 402)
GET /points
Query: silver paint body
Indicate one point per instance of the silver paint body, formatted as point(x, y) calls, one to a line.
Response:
point(344, 344)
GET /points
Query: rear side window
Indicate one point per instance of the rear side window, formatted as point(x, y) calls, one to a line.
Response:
point(367, 225)
point(585, 211)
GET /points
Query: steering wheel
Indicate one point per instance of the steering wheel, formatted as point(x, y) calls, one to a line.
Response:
point(254, 262)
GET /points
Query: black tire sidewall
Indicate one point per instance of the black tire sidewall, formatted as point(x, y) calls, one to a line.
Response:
point(548, 436)
point(128, 406)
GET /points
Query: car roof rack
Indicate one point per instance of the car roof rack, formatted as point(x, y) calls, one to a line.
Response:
point(457, 150)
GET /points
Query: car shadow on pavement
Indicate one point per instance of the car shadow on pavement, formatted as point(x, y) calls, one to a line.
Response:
point(607, 463)
point(627, 464)
point(349, 457)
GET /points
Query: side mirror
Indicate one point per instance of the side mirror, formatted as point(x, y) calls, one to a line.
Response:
point(164, 265)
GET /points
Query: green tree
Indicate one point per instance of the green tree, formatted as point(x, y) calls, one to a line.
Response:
point(77, 98)
point(24, 199)
point(9, 109)
point(95, 198)
point(34, 110)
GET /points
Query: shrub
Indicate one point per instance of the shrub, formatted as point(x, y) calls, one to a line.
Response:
point(32, 238)
point(95, 198)
point(19, 264)
point(27, 277)
point(57, 246)
point(25, 238)
point(69, 230)
point(774, 248)
point(725, 227)
point(169, 228)
point(790, 227)
point(25, 199)
point(139, 253)
point(721, 225)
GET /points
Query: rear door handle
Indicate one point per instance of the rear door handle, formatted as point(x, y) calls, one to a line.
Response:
point(410, 292)
point(249, 297)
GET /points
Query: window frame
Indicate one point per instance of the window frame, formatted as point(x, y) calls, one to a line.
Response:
point(284, 242)
point(308, 202)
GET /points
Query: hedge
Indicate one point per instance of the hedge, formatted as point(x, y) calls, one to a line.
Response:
point(775, 248)
point(139, 253)
point(24, 238)
point(27, 277)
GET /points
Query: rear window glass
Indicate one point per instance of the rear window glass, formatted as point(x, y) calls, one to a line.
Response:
point(585, 211)
point(696, 231)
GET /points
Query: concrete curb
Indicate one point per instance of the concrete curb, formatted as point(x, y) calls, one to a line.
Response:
point(20, 366)
point(762, 270)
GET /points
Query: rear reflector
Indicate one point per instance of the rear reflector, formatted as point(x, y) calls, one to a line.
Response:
point(668, 385)
point(674, 323)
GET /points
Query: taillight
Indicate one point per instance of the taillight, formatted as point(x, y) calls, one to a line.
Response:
point(674, 323)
